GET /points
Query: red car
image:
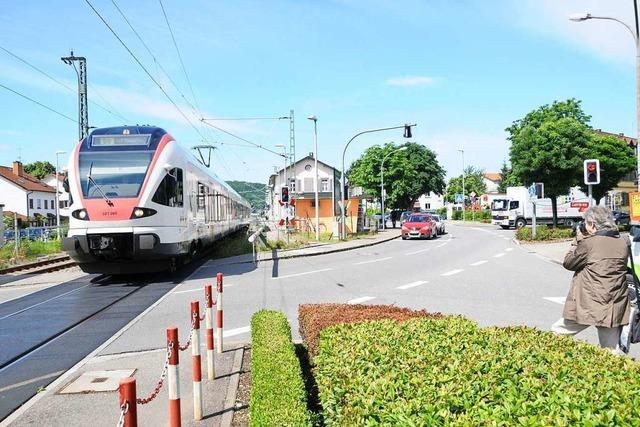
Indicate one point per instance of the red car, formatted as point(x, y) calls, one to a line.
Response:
point(419, 226)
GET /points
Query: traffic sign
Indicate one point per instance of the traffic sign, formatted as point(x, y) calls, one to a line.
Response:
point(459, 198)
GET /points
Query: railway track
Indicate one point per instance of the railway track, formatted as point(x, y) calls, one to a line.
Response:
point(42, 266)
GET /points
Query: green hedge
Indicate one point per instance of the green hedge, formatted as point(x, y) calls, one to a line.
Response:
point(469, 215)
point(278, 396)
point(544, 233)
point(448, 371)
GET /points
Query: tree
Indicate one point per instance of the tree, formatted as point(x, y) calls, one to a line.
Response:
point(473, 183)
point(407, 174)
point(617, 159)
point(549, 145)
point(509, 179)
point(39, 169)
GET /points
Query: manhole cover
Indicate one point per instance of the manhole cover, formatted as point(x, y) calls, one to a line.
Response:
point(96, 381)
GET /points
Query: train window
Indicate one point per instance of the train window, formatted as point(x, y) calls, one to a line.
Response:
point(170, 190)
point(202, 194)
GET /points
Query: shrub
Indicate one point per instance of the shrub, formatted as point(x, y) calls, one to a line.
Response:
point(544, 233)
point(313, 318)
point(278, 396)
point(450, 372)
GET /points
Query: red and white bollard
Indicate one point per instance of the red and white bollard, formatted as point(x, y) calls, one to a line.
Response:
point(219, 311)
point(127, 399)
point(196, 367)
point(173, 377)
point(208, 296)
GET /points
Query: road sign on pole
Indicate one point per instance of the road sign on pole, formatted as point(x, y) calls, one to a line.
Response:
point(459, 198)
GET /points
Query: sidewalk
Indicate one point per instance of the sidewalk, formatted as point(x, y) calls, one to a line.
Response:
point(139, 349)
point(554, 252)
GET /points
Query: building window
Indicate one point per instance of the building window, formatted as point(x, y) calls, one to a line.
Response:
point(325, 184)
point(46, 204)
point(30, 203)
point(292, 184)
point(51, 203)
point(39, 203)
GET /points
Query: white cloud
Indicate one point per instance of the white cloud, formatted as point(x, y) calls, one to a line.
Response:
point(605, 39)
point(410, 81)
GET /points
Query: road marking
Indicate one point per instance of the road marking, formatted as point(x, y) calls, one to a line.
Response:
point(418, 252)
point(557, 300)
point(441, 245)
point(302, 274)
point(32, 380)
point(477, 263)
point(499, 255)
point(199, 290)
point(237, 331)
point(45, 301)
point(508, 249)
point(412, 284)
point(359, 300)
point(507, 238)
point(373, 260)
point(452, 272)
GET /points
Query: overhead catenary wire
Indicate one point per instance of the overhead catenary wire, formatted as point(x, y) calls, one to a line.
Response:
point(38, 103)
point(144, 68)
point(241, 138)
point(59, 82)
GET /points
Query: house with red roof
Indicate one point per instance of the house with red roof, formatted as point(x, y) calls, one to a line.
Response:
point(27, 195)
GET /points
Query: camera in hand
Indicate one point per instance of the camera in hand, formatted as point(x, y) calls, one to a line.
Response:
point(582, 227)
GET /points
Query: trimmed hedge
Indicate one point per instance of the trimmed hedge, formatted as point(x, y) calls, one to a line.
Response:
point(450, 372)
point(313, 318)
point(278, 396)
point(544, 233)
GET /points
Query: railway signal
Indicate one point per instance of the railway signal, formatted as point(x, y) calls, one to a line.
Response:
point(284, 195)
point(592, 172)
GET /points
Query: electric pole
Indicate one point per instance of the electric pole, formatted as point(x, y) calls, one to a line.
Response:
point(292, 150)
point(81, 71)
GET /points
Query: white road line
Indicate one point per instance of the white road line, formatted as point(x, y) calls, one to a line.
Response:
point(507, 238)
point(373, 260)
point(508, 249)
point(501, 254)
point(302, 274)
point(412, 284)
point(359, 300)
point(441, 245)
point(557, 300)
point(32, 380)
point(452, 272)
point(418, 252)
point(237, 331)
point(477, 263)
point(199, 290)
point(45, 301)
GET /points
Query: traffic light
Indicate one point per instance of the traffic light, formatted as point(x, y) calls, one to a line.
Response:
point(284, 195)
point(592, 172)
point(407, 131)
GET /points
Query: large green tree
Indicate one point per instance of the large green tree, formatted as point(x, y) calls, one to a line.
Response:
point(616, 158)
point(408, 173)
point(549, 145)
point(39, 169)
point(509, 179)
point(473, 183)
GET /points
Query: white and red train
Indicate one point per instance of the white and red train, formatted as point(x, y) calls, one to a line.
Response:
point(141, 203)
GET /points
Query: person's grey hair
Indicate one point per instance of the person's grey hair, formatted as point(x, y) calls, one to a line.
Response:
point(600, 217)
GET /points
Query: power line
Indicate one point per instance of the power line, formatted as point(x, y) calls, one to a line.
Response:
point(144, 68)
point(38, 103)
point(64, 85)
point(241, 138)
point(247, 118)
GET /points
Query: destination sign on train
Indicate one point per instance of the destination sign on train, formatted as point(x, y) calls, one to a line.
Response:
point(119, 140)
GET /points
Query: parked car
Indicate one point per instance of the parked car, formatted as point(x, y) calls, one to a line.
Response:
point(404, 216)
point(621, 218)
point(420, 226)
point(439, 224)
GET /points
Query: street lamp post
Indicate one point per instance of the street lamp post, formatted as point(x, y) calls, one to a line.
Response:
point(580, 17)
point(382, 181)
point(407, 134)
point(58, 191)
point(315, 157)
point(463, 192)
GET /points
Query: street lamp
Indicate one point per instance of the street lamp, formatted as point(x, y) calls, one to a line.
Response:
point(407, 134)
point(463, 192)
point(57, 191)
point(315, 157)
point(382, 181)
point(580, 17)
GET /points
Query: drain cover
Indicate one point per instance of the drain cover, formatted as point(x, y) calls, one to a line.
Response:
point(96, 381)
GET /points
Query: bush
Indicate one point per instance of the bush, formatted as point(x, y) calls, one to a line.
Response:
point(278, 396)
point(544, 233)
point(313, 318)
point(450, 372)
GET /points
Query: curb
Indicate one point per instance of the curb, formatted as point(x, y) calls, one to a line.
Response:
point(232, 388)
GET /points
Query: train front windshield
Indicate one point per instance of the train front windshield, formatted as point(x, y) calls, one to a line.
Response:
point(114, 173)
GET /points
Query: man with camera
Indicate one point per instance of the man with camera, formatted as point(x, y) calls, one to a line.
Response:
point(598, 295)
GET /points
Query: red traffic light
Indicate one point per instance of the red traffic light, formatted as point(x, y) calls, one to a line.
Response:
point(284, 195)
point(591, 167)
point(592, 172)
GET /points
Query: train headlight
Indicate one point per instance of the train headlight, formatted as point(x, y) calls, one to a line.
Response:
point(142, 213)
point(80, 214)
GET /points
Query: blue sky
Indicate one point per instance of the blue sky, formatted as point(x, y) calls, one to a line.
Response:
point(463, 71)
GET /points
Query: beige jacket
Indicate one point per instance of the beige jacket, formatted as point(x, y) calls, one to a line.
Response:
point(598, 294)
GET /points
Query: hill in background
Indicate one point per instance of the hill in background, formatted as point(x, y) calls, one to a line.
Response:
point(254, 192)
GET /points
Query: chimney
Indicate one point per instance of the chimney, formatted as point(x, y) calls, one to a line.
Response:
point(18, 169)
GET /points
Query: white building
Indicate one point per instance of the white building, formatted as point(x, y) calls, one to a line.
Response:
point(430, 201)
point(26, 195)
point(63, 196)
point(492, 180)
